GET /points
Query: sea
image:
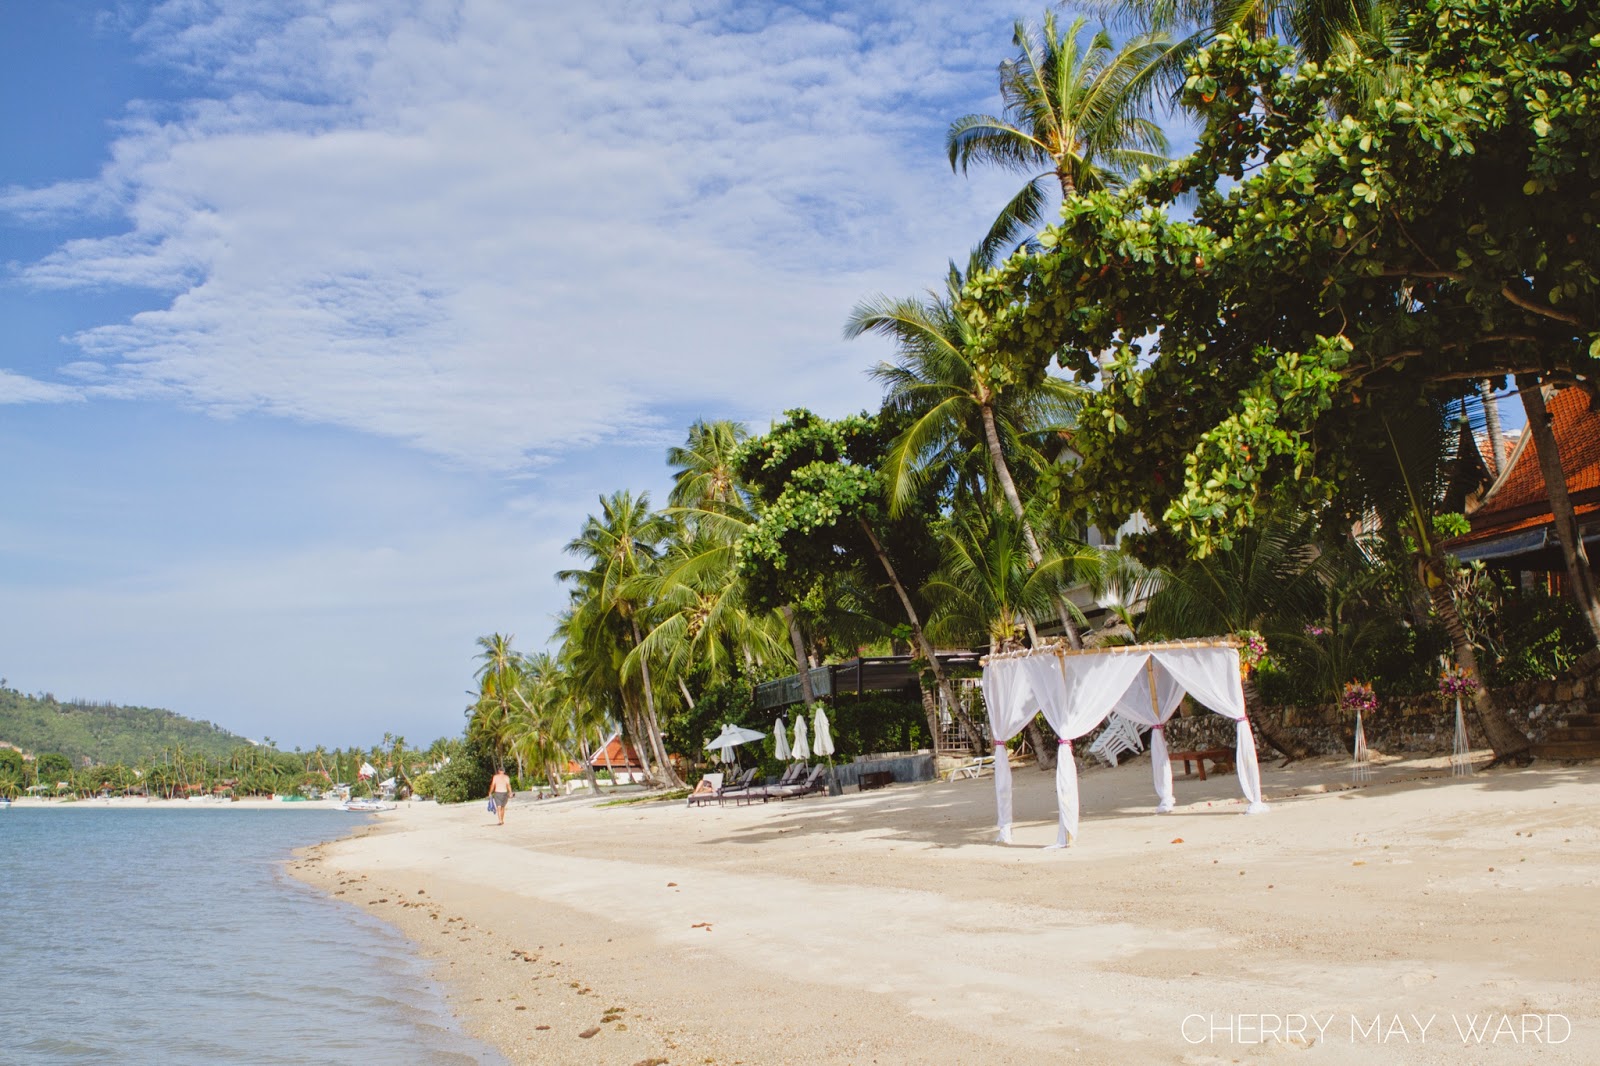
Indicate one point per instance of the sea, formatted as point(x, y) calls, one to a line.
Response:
point(177, 937)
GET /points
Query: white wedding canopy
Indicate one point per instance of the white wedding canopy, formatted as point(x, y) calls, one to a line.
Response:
point(1078, 689)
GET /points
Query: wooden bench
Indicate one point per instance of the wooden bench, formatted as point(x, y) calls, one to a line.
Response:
point(1216, 755)
point(875, 779)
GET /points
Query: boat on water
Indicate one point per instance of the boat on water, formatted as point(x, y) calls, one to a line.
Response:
point(365, 806)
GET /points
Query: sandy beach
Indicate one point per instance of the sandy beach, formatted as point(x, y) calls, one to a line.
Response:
point(1419, 919)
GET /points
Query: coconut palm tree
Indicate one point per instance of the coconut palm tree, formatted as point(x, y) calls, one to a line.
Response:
point(703, 477)
point(951, 398)
point(1405, 488)
point(499, 678)
point(618, 546)
point(1075, 119)
point(1267, 581)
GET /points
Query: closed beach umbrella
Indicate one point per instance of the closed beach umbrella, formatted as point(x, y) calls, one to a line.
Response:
point(801, 751)
point(823, 744)
point(780, 741)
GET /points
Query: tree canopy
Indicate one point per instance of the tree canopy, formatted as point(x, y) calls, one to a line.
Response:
point(1339, 267)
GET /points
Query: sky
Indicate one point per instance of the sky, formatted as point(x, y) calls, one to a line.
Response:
point(326, 323)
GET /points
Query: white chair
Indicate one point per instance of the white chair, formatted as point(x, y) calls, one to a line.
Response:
point(1120, 735)
point(973, 768)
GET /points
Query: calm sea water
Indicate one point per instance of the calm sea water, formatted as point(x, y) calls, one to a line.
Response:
point(176, 937)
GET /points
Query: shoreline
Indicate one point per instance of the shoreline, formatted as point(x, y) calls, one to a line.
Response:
point(35, 804)
point(886, 927)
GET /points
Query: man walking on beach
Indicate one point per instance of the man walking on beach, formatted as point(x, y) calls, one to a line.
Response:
point(500, 793)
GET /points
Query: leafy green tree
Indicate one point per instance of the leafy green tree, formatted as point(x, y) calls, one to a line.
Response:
point(1074, 119)
point(1333, 269)
point(52, 767)
point(823, 501)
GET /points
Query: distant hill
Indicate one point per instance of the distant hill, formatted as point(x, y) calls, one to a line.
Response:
point(104, 732)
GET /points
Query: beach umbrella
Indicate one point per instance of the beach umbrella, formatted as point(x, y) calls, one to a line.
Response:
point(780, 741)
point(800, 751)
point(822, 744)
point(731, 737)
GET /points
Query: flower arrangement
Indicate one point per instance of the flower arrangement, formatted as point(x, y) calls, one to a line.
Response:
point(1457, 682)
point(1358, 696)
point(1253, 648)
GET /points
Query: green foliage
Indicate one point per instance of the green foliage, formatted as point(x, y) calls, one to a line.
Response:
point(103, 732)
point(878, 721)
point(53, 766)
point(466, 776)
point(10, 762)
point(1338, 267)
point(1525, 636)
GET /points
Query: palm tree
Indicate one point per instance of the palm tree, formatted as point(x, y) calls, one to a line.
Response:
point(620, 545)
point(499, 678)
point(1266, 581)
point(1316, 28)
point(1405, 491)
point(951, 398)
point(1074, 118)
point(703, 477)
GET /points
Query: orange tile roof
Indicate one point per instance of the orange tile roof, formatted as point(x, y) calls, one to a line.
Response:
point(1520, 500)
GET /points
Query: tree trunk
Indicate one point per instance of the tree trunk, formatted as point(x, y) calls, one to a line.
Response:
point(1002, 473)
point(1573, 553)
point(1505, 738)
point(1291, 750)
point(634, 732)
point(1045, 752)
point(685, 690)
point(605, 753)
point(798, 640)
point(652, 724)
point(930, 707)
point(1491, 415)
point(924, 648)
point(588, 765)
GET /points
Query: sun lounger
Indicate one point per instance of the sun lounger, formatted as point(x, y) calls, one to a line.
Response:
point(718, 791)
point(813, 783)
point(706, 790)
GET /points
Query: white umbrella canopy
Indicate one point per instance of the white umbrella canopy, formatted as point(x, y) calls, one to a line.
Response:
point(731, 737)
point(780, 741)
point(801, 751)
point(823, 744)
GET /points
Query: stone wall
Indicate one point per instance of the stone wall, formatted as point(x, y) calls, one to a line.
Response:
point(1411, 724)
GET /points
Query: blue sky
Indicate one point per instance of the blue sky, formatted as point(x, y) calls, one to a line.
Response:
point(326, 323)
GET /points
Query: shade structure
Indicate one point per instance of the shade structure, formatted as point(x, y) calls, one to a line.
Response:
point(1078, 689)
point(780, 741)
point(731, 737)
point(822, 744)
point(800, 751)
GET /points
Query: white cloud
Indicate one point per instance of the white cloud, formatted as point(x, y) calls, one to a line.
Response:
point(493, 229)
point(17, 388)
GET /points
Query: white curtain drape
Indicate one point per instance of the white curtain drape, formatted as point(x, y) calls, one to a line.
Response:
point(1010, 704)
point(1077, 692)
point(1075, 699)
point(1211, 675)
point(1136, 705)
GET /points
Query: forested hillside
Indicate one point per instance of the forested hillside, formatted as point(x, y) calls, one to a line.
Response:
point(104, 732)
